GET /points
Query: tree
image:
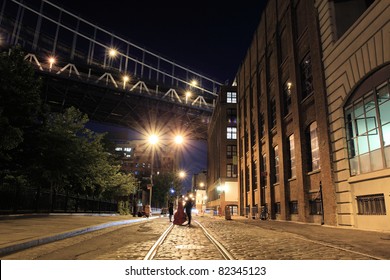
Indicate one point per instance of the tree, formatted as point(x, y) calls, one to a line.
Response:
point(162, 186)
point(20, 112)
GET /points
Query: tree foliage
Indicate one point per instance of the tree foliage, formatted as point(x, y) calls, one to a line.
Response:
point(52, 150)
point(165, 187)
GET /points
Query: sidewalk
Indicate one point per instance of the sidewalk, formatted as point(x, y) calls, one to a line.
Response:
point(18, 232)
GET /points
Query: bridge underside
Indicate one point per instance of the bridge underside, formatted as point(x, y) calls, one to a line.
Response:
point(137, 111)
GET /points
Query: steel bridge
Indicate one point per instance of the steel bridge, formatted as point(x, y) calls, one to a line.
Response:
point(104, 75)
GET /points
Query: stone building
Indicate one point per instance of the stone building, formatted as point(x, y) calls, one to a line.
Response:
point(356, 69)
point(222, 187)
point(311, 67)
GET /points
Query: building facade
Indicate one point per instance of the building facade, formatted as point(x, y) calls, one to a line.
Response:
point(199, 187)
point(356, 63)
point(302, 90)
point(222, 186)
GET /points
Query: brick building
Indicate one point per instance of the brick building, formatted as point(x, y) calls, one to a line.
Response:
point(296, 90)
point(222, 187)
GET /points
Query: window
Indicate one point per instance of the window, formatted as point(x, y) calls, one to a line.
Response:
point(315, 207)
point(283, 45)
point(231, 151)
point(371, 204)
point(261, 125)
point(293, 172)
point(368, 130)
point(276, 171)
point(273, 112)
point(231, 97)
point(254, 174)
point(353, 8)
point(231, 132)
point(314, 152)
point(231, 115)
point(277, 207)
point(231, 170)
point(287, 98)
point(300, 17)
point(306, 76)
point(293, 206)
point(263, 170)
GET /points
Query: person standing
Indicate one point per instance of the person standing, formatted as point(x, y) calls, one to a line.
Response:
point(188, 208)
point(170, 210)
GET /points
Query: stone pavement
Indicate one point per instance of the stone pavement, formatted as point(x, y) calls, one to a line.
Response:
point(246, 239)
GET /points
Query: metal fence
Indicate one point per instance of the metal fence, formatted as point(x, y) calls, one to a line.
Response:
point(35, 201)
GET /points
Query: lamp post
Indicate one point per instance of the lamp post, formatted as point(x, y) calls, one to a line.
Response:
point(153, 139)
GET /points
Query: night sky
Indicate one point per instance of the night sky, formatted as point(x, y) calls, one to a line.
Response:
point(209, 37)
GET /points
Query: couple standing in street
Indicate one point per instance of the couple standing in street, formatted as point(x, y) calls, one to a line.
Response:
point(180, 217)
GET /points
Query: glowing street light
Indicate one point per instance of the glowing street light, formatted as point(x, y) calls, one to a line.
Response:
point(182, 174)
point(153, 139)
point(179, 139)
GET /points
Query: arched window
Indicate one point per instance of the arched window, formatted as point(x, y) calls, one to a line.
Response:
point(367, 124)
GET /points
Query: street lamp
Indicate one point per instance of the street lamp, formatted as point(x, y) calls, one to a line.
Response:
point(153, 140)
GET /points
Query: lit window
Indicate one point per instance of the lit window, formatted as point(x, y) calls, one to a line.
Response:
point(231, 132)
point(292, 157)
point(231, 97)
point(314, 152)
point(287, 98)
point(368, 130)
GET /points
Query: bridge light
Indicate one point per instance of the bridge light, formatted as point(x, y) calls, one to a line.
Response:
point(52, 60)
point(188, 95)
point(125, 80)
point(194, 83)
point(112, 52)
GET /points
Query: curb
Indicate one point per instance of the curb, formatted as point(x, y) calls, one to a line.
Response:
point(47, 239)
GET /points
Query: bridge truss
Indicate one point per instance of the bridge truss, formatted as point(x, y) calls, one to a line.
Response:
point(104, 75)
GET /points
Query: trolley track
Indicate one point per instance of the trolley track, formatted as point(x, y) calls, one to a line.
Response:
point(223, 252)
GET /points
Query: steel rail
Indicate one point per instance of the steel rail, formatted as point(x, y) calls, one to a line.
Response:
point(152, 252)
point(222, 250)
